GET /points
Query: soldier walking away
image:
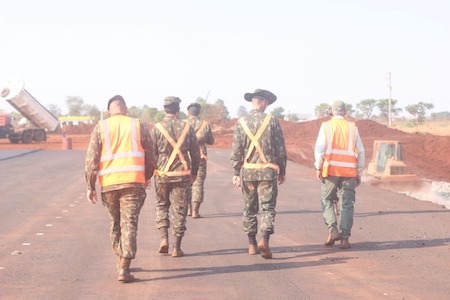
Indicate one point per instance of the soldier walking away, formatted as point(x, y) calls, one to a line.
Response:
point(204, 136)
point(120, 154)
point(178, 158)
point(259, 151)
point(339, 161)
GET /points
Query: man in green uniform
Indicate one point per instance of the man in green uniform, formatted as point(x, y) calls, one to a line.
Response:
point(120, 154)
point(259, 151)
point(204, 136)
point(178, 157)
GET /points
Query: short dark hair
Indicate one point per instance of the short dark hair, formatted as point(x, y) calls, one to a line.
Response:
point(116, 98)
point(172, 108)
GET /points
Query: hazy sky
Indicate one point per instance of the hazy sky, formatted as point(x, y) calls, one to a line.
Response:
point(306, 52)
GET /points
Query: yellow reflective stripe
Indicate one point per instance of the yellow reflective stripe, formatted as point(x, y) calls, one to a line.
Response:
point(255, 138)
point(121, 169)
point(261, 166)
point(176, 146)
point(200, 129)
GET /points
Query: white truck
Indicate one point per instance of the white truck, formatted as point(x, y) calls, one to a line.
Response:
point(40, 119)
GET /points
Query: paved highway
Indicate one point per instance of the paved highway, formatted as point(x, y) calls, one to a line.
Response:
point(55, 245)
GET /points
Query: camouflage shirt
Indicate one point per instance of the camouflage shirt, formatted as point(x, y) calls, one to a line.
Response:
point(94, 153)
point(163, 149)
point(204, 136)
point(272, 144)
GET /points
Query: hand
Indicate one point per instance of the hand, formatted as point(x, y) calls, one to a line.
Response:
point(358, 180)
point(281, 179)
point(237, 181)
point(192, 179)
point(147, 184)
point(319, 175)
point(92, 196)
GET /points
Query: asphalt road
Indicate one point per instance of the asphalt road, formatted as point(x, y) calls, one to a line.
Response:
point(55, 245)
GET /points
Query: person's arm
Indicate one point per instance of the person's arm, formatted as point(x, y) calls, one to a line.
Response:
point(361, 157)
point(92, 163)
point(319, 152)
point(149, 147)
point(237, 154)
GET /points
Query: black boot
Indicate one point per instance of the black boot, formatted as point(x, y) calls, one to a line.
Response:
point(252, 246)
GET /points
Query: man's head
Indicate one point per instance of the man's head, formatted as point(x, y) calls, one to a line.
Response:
point(338, 108)
point(117, 106)
point(172, 104)
point(194, 109)
point(261, 95)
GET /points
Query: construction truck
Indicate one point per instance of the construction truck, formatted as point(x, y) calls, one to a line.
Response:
point(40, 119)
point(388, 170)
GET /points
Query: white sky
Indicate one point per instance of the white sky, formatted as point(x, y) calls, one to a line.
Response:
point(306, 52)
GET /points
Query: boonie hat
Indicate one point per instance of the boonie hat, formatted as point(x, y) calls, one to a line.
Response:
point(261, 93)
point(171, 100)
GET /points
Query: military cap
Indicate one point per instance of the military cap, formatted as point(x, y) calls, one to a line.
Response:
point(195, 104)
point(338, 107)
point(116, 98)
point(261, 93)
point(171, 100)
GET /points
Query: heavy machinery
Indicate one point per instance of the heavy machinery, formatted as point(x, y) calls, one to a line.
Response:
point(40, 119)
point(388, 170)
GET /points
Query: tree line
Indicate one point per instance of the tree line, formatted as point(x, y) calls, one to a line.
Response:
point(217, 112)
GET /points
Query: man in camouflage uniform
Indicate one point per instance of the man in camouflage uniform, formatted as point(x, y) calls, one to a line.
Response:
point(178, 158)
point(259, 150)
point(120, 153)
point(204, 136)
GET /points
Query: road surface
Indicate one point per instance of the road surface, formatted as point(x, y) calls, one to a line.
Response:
point(55, 245)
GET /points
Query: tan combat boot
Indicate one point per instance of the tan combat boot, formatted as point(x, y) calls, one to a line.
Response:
point(195, 209)
point(252, 246)
point(177, 252)
point(124, 272)
point(263, 246)
point(333, 236)
point(164, 245)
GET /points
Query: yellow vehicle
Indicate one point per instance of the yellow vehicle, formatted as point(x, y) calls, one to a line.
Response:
point(388, 170)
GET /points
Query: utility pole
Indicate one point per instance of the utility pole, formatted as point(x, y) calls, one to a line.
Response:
point(390, 100)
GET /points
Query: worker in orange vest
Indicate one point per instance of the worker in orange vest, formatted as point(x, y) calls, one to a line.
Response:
point(120, 154)
point(339, 161)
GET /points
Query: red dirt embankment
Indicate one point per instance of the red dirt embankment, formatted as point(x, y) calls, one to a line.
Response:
point(425, 155)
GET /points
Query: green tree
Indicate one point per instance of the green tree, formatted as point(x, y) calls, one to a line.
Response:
point(419, 110)
point(74, 106)
point(54, 110)
point(383, 108)
point(134, 112)
point(159, 116)
point(366, 107)
point(242, 111)
point(322, 110)
point(291, 117)
point(277, 112)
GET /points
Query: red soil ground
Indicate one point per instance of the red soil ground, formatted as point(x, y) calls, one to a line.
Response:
point(425, 155)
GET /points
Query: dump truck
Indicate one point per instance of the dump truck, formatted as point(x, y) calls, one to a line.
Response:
point(40, 119)
point(388, 170)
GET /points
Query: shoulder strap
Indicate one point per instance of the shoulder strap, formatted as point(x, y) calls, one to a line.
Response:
point(176, 145)
point(255, 138)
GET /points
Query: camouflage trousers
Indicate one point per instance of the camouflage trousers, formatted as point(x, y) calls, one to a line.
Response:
point(171, 206)
point(346, 187)
point(124, 207)
point(259, 194)
point(196, 191)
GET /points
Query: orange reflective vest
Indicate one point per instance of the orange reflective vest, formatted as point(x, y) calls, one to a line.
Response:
point(123, 157)
point(341, 156)
point(255, 145)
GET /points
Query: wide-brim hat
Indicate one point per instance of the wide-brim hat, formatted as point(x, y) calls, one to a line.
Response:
point(263, 94)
